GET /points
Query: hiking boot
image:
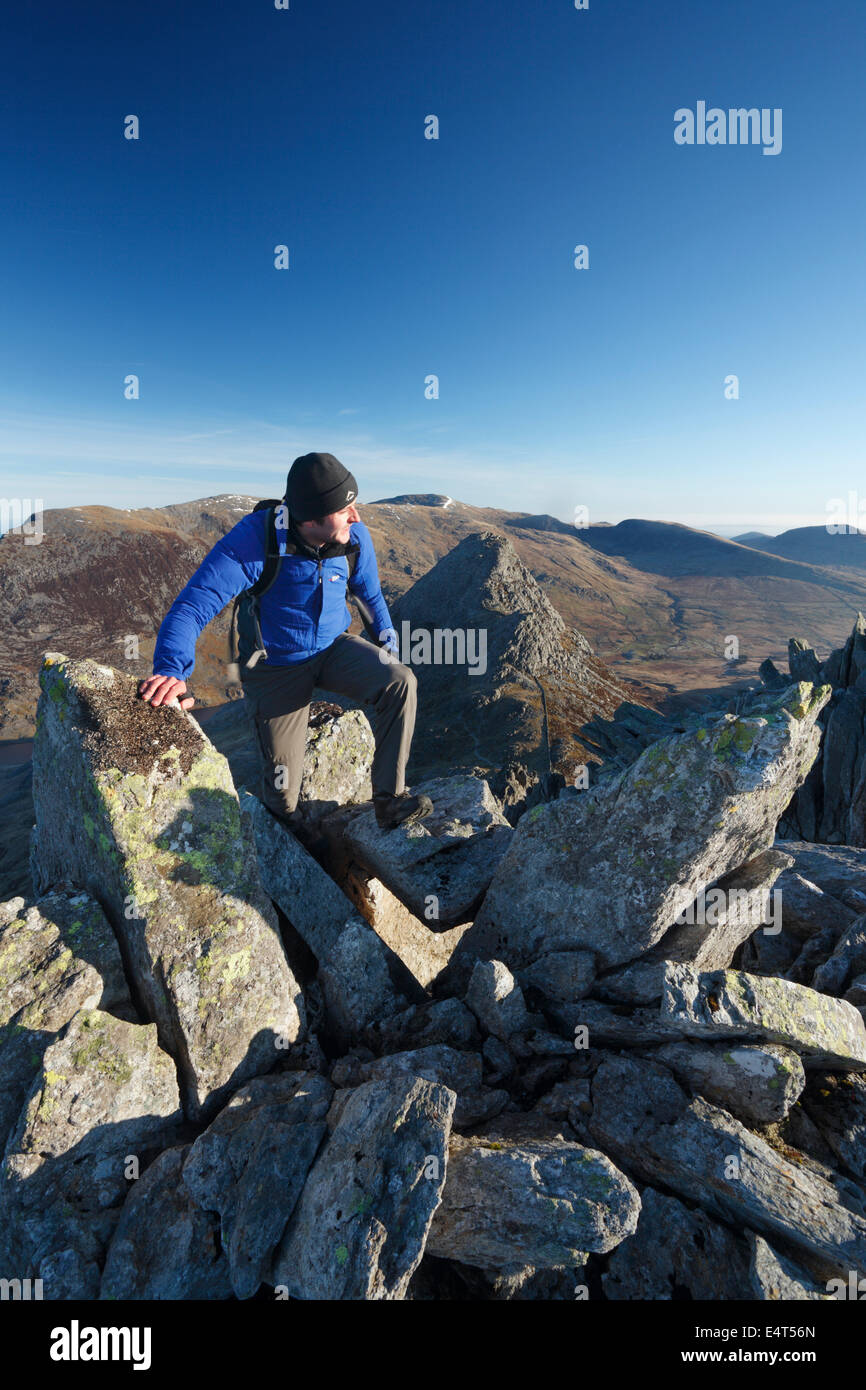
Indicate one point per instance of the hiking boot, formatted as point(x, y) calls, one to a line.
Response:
point(314, 841)
point(401, 809)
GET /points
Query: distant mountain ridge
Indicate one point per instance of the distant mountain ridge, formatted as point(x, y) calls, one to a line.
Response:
point(655, 600)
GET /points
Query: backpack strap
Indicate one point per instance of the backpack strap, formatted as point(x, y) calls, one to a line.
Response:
point(270, 570)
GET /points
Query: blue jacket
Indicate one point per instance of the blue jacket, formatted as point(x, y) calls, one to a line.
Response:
point(303, 612)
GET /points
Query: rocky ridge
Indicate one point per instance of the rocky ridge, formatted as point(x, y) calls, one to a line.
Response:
point(489, 1056)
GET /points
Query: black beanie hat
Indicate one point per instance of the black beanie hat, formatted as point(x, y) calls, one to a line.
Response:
point(318, 485)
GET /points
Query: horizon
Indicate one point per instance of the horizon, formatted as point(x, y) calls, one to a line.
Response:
point(729, 533)
point(565, 380)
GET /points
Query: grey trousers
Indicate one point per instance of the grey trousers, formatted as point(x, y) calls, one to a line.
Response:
point(278, 703)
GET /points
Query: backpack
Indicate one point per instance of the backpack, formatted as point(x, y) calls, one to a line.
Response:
point(244, 629)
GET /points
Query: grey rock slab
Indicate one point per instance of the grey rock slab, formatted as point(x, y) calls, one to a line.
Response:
point(644, 1120)
point(836, 1105)
point(105, 1092)
point(847, 961)
point(421, 1025)
point(362, 978)
point(677, 1252)
point(827, 1032)
point(57, 955)
point(362, 982)
point(721, 919)
point(561, 976)
point(164, 1246)
point(610, 870)
point(250, 1165)
point(774, 1278)
point(807, 909)
point(450, 855)
point(612, 1025)
point(757, 1084)
point(835, 869)
point(496, 999)
point(543, 1202)
point(461, 1071)
point(361, 1224)
point(149, 823)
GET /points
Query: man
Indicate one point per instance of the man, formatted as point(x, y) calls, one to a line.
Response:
point(302, 638)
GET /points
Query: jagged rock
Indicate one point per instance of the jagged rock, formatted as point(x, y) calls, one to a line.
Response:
point(836, 1105)
point(677, 1253)
point(105, 1093)
point(769, 953)
point(771, 675)
point(337, 760)
point(496, 999)
point(498, 1058)
point(561, 976)
point(57, 955)
point(460, 1071)
point(803, 663)
point(424, 952)
point(541, 1043)
point(807, 909)
point(611, 1025)
point(643, 1119)
point(362, 979)
point(774, 1278)
point(360, 1227)
point(362, 982)
point(164, 1246)
point(831, 805)
point(438, 867)
point(836, 869)
point(483, 686)
point(610, 870)
point(812, 956)
point(422, 1025)
point(724, 917)
point(149, 823)
point(541, 1202)
point(847, 961)
point(565, 1098)
point(757, 1084)
point(827, 1032)
point(251, 1163)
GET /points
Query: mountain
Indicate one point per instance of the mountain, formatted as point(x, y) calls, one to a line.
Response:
point(749, 536)
point(654, 600)
point(815, 545)
point(522, 661)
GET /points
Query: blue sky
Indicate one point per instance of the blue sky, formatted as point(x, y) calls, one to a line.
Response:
point(558, 388)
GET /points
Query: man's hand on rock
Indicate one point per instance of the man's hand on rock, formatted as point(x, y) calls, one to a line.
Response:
point(164, 690)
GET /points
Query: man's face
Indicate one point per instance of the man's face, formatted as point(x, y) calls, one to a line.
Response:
point(330, 528)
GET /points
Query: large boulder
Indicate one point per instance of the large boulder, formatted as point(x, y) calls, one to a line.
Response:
point(717, 1004)
point(149, 824)
point(611, 869)
point(542, 1202)
point(360, 1227)
point(104, 1103)
point(645, 1121)
point(438, 867)
point(164, 1246)
point(251, 1163)
point(57, 955)
point(363, 980)
point(677, 1252)
point(723, 918)
point(757, 1084)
